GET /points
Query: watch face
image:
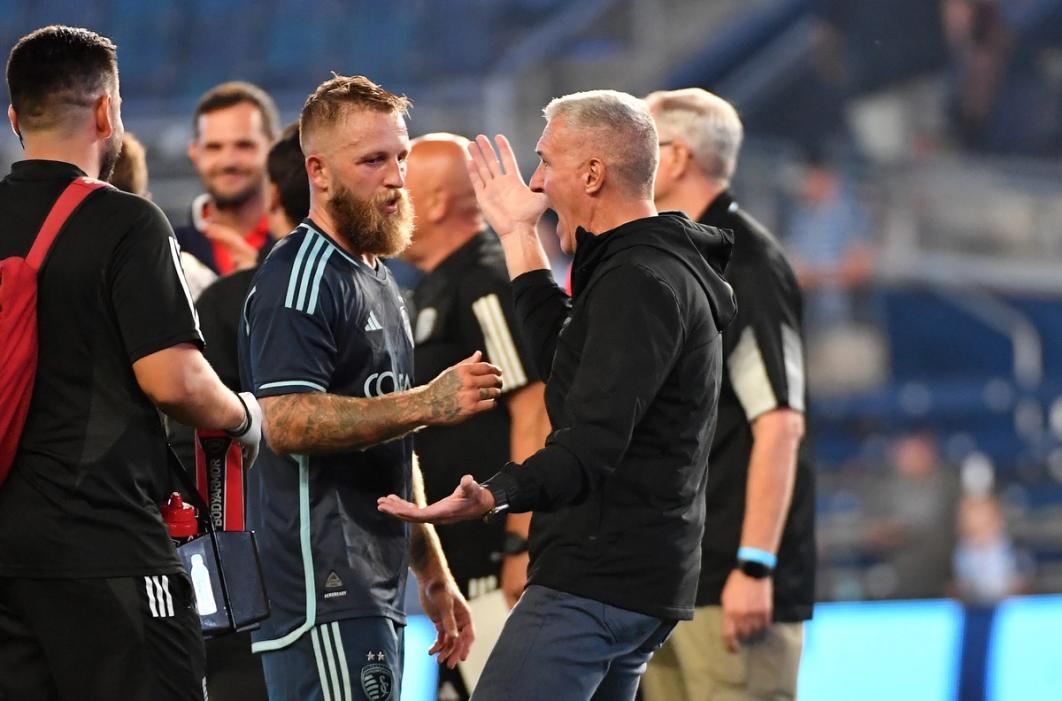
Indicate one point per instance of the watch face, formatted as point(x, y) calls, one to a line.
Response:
point(756, 570)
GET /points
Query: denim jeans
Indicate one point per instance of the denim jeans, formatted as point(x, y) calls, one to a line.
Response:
point(561, 647)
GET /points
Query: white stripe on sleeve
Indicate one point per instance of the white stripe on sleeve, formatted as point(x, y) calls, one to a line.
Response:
point(175, 253)
point(748, 375)
point(499, 340)
point(793, 351)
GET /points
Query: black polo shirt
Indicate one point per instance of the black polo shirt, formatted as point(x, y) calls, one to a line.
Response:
point(82, 497)
point(465, 305)
point(763, 369)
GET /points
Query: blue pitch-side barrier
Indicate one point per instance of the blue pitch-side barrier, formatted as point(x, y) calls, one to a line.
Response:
point(932, 650)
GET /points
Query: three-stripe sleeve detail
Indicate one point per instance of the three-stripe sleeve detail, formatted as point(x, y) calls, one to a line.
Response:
point(501, 349)
point(304, 280)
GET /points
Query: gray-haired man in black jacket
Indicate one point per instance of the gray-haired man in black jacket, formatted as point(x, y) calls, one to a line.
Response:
point(632, 363)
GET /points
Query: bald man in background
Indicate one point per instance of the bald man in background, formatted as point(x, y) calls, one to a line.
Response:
point(464, 304)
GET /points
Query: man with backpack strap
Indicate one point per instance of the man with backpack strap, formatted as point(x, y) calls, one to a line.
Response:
point(94, 603)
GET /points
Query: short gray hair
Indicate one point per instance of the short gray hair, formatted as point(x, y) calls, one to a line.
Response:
point(622, 125)
point(705, 122)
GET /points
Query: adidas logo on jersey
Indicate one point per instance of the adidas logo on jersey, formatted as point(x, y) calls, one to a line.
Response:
point(373, 324)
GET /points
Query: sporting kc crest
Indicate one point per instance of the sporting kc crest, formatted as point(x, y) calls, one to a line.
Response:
point(377, 682)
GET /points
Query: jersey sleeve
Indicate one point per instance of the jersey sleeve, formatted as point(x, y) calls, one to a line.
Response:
point(149, 294)
point(763, 347)
point(290, 338)
point(490, 324)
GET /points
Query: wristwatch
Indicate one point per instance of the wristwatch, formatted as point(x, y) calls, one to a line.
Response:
point(501, 500)
point(756, 570)
point(514, 544)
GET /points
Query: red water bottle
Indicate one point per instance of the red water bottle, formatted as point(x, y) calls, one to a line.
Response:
point(219, 477)
point(179, 518)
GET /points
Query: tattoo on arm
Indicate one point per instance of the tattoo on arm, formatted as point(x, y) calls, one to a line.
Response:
point(328, 423)
point(441, 403)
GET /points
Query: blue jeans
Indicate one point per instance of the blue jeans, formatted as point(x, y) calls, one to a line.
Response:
point(357, 659)
point(561, 647)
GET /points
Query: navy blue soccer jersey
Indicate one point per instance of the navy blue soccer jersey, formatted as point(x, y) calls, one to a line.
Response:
point(318, 320)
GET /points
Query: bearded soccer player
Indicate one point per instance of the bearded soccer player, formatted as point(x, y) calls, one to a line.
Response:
point(326, 344)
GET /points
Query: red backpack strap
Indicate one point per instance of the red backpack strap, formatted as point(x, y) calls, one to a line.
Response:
point(74, 194)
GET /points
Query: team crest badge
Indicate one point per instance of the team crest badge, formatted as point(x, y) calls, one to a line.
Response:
point(377, 682)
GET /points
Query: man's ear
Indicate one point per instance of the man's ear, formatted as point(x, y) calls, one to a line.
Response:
point(105, 123)
point(594, 176)
point(13, 119)
point(318, 173)
point(681, 161)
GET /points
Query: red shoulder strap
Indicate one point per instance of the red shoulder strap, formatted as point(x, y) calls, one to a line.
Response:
point(74, 194)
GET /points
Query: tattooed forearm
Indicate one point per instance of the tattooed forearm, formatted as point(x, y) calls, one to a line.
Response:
point(328, 423)
point(440, 401)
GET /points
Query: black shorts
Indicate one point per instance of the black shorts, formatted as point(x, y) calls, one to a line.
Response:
point(128, 638)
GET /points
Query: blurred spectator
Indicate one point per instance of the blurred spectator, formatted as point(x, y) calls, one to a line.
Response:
point(131, 175)
point(829, 247)
point(234, 125)
point(987, 567)
point(287, 204)
point(1004, 98)
point(828, 240)
point(911, 522)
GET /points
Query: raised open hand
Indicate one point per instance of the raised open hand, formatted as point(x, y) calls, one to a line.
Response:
point(506, 200)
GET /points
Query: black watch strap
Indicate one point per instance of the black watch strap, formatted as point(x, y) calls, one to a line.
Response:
point(756, 570)
point(501, 500)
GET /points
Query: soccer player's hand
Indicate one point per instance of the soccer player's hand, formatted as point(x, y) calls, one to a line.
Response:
point(747, 608)
point(469, 501)
point(452, 618)
point(507, 202)
point(462, 391)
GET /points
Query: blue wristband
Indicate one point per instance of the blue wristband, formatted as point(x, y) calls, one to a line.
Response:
point(756, 555)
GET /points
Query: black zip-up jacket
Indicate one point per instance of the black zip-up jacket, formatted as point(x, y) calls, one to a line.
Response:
point(632, 364)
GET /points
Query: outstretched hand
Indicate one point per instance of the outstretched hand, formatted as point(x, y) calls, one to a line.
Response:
point(506, 201)
point(469, 501)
